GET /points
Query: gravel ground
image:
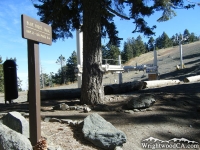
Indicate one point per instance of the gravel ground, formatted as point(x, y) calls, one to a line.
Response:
point(176, 112)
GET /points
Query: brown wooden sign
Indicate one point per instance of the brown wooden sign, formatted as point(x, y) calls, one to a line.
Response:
point(36, 30)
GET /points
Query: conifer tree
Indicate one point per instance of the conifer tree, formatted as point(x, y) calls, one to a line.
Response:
point(71, 66)
point(97, 18)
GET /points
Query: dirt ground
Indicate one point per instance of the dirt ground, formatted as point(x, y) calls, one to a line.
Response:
point(176, 113)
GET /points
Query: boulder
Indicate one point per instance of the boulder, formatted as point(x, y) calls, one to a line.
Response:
point(17, 122)
point(102, 133)
point(12, 140)
point(143, 101)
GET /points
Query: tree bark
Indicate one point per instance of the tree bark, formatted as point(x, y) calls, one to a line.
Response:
point(92, 89)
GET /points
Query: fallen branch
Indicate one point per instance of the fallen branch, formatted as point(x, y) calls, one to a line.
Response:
point(192, 79)
point(76, 93)
point(159, 83)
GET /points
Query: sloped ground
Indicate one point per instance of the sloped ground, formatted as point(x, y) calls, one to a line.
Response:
point(175, 114)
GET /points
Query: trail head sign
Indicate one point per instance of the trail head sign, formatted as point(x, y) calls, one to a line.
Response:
point(36, 30)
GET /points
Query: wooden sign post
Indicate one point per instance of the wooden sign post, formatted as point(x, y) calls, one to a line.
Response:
point(36, 32)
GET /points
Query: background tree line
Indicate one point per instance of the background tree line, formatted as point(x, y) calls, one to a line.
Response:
point(134, 47)
point(66, 72)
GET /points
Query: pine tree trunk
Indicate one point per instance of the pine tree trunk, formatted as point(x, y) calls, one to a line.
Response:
point(92, 90)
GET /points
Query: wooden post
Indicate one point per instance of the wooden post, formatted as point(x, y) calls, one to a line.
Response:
point(34, 31)
point(120, 73)
point(34, 91)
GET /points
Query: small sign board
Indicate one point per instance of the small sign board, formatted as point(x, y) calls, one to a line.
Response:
point(152, 70)
point(36, 30)
point(153, 76)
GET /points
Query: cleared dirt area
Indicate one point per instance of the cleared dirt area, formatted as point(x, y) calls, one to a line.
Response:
point(176, 113)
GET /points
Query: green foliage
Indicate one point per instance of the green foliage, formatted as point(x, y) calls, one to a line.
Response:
point(70, 67)
point(165, 41)
point(127, 52)
point(19, 83)
point(61, 61)
point(110, 53)
point(133, 47)
point(151, 44)
point(139, 47)
point(192, 38)
point(56, 78)
point(64, 74)
point(66, 16)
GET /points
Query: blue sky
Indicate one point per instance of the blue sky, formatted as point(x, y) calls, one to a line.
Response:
point(13, 45)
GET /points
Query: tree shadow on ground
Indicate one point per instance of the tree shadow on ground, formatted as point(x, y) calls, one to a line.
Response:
point(181, 74)
point(79, 136)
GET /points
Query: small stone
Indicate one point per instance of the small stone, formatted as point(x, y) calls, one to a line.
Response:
point(149, 109)
point(136, 110)
point(129, 111)
point(61, 106)
point(22, 113)
point(54, 120)
point(86, 109)
point(79, 108)
point(46, 119)
point(68, 121)
point(72, 107)
point(142, 110)
point(118, 148)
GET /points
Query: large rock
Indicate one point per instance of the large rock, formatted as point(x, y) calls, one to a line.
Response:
point(143, 101)
point(12, 140)
point(102, 133)
point(17, 122)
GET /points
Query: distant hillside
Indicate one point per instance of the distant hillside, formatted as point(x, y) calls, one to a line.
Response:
point(148, 57)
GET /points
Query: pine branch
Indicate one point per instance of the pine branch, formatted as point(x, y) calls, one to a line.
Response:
point(193, 2)
point(118, 14)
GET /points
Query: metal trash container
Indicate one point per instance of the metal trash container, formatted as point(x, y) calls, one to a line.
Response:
point(10, 80)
